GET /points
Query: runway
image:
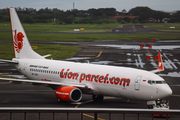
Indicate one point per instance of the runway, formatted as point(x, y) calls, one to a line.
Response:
point(113, 52)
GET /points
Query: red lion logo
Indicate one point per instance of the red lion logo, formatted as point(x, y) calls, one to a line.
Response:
point(18, 41)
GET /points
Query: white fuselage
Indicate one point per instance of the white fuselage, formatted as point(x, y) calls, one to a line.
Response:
point(71, 78)
point(115, 81)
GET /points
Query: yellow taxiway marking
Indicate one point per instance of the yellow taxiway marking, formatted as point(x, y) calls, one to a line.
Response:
point(87, 114)
point(83, 103)
point(134, 28)
point(4, 73)
point(146, 49)
point(175, 95)
point(92, 116)
point(99, 54)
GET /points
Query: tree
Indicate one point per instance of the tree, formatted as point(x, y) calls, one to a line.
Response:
point(124, 11)
point(27, 19)
point(138, 10)
point(101, 15)
point(127, 19)
point(143, 17)
point(144, 13)
point(135, 20)
point(176, 17)
point(1, 18)
point(68, 20)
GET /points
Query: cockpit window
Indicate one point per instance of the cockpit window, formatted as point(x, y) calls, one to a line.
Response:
point(164, 82)
point(152, 82)
point(159, 82)
point(149, 81)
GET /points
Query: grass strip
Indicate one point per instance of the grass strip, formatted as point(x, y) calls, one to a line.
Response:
point(49, 27)
point(56, 51)
point(5, 76)
point(86, 37)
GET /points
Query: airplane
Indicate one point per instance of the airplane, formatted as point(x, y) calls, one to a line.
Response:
point(71, 80)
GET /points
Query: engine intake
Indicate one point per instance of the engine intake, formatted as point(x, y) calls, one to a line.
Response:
point(68, 93)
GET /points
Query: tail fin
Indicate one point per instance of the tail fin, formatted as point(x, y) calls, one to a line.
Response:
point(160, 64)
point(22, 47)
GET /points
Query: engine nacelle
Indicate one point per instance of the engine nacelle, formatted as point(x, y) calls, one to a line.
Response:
point(68, 93)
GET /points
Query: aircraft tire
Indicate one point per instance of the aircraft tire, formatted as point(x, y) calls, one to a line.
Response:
point(59, 101)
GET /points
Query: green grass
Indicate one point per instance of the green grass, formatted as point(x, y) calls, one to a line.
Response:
point(163, 25)
point(88, 27)
point(49, 27)
point(56, 51)
point(5, 27)
point(6, 51)
point(86, 37)
point(5, 76)
point(169, 30)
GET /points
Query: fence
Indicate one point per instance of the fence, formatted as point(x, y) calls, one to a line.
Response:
point(94, 111)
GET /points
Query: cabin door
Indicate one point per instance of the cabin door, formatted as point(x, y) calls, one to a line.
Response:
point(137, 83)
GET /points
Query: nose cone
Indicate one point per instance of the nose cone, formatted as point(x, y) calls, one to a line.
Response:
point(166, 91)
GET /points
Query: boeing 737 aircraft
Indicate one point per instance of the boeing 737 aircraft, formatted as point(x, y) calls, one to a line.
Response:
point(71, 80)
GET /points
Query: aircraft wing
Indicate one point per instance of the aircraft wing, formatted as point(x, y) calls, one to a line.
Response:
point(49, 83)
point(160, 64)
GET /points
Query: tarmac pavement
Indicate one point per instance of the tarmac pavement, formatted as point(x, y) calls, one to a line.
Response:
point(117, 53)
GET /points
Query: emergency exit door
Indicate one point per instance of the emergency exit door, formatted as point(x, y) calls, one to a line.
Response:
point(137, 83)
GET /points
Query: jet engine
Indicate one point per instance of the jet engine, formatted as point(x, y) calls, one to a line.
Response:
point(68, 93)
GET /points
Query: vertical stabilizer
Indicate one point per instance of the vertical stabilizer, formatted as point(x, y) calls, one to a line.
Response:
point(22, 47)
point(160, 64)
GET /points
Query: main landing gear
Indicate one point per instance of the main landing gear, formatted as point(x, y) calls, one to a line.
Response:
point(97, 98)
point(59, 101)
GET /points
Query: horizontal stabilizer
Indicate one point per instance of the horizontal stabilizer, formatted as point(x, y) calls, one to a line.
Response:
point(45, 56)
point(9, 61)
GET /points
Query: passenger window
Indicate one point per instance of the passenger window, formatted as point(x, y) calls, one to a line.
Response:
point(149, 81)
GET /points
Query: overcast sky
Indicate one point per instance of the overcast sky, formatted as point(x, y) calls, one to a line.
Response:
point(165, 5)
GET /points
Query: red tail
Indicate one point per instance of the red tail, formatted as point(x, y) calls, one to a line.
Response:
point(160, 64)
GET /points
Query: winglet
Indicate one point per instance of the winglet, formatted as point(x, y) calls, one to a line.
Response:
point(160, 64)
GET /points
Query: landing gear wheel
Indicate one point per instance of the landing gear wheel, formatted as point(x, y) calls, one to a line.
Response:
point(97, 98)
